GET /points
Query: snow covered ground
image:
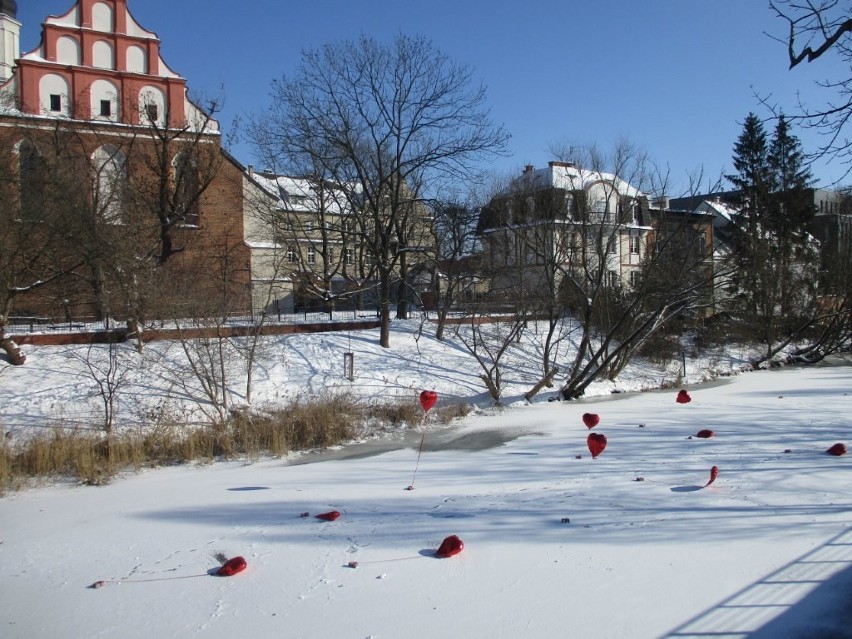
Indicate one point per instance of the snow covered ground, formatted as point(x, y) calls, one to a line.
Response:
point(557, 544)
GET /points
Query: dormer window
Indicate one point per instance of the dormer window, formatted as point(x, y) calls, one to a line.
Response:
point(55, 102)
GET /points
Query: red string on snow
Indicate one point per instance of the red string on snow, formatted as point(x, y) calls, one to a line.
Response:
point(596, 443)
point(705, 434)
point(331, 515)
point(683, 397)
point(591, 420)
point(228, 569)
point(714, 473)
point(417, 465)
point(427, 401)
point(452, 545)
point(837, 450)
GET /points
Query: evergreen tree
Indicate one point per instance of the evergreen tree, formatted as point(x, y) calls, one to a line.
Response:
point(790, 214)
point(792, 205)
point(774, 293)
point(754, 176)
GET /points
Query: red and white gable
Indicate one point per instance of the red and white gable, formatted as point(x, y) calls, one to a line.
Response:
point(96, 62)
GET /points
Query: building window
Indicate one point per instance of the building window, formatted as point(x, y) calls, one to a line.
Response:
point(613, 279)
point(187, 189)
point(106, 108)
point(55, 102)
point(634, 244)
point(110, 183)
point(635, 278)
point(312, 255)
point(291, 255)
point(349, 256)
point(152, 112)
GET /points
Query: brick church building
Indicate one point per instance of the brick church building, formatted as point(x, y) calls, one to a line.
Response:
point(120, 198)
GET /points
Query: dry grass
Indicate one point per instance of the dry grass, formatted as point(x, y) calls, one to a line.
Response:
point(91, 457)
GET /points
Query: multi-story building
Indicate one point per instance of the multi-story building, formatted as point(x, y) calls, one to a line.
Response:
point(311, 246)
point(96, 95)
point(563, 219)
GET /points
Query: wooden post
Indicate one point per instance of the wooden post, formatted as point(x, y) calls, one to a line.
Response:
point(349, 366)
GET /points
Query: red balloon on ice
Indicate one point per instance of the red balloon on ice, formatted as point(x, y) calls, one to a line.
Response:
point(232, 567)
point(428, 399)
point(591, 419)
point(837, 450)
point(452, 545)
point(705, 434)
point(329, 516)
point(596, 443)
point(683, 397)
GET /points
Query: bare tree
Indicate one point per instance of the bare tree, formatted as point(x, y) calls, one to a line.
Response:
point(816, 28)
point(40, 202)
point(455, 268)
point(386, 122)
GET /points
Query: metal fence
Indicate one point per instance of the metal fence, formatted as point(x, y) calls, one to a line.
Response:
point(33, 324)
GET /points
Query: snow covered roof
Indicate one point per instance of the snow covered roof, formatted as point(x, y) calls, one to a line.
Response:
point(717, 207)
point(300, 194)
point(564, 175)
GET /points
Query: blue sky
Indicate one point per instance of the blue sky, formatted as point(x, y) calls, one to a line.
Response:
point(676, 77)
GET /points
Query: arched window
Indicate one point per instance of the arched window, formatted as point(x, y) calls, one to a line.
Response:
point(102, 56)
point(68, 50)
point(102, 17)
point(186, 189)
point(32, 173)
point(152, 106)
point(137, 59)
point(110, 183)
point(54, 95)
point(104, 100)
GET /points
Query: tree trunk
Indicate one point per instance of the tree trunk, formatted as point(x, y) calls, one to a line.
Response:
point(16, 356)
point(384, 309)
point(547, 380)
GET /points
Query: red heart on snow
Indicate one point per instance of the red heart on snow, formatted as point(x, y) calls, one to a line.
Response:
point(452, 545)
point(232, 567)
point(837, 450)
point(428, 399)
point(705, 434)
point(591, 419)
point(596, 443)
point(683, 397)
point(329, 516)
point(714, 473)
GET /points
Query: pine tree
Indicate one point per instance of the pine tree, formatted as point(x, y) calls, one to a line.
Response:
point(792, 205)
point(754, 177)
point(775, 283)
point(791, 212)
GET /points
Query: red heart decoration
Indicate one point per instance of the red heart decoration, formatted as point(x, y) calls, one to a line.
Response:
point(837, 450)
point(428, 399)
point(683, 397)
point(232, 567)
point(596, 443)
point(705, 434)
point(591, 419)
point(452, 545)
point(714, 473)
point(329, 516)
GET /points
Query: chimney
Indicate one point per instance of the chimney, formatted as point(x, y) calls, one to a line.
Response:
point(564, 165)
point(250, 170)
point(529, 168)
point(10, 38)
